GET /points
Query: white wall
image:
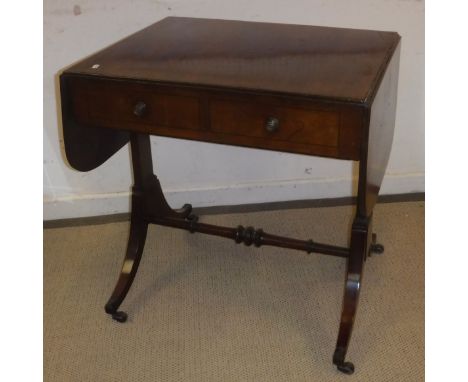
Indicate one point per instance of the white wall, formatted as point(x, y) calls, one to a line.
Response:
point(75, 29)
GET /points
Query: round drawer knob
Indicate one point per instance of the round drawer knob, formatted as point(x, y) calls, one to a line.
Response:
point(272, 124)
point(140, 109)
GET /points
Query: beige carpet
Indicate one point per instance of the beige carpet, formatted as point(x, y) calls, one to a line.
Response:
point(205, 309)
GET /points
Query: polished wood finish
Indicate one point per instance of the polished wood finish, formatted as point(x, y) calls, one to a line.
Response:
point(374, 157)
point(146, 196)
point(380, 134)
point(150, 206)
point(310, 90)
point(334, 63)
point(112, 103)
point(262, 63)
point(310, 127)
point(307, 126)
point(86, 146)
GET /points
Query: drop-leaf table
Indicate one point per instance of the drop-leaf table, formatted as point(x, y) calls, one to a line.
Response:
point(320, 91)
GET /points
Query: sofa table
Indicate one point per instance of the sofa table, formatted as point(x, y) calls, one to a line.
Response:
point(318, 91)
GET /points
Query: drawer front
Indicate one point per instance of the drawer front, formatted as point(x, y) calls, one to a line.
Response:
point(276, 123)
point(131, 106)
point(302, 126)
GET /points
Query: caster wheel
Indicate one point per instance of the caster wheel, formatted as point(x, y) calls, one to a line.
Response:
point(346, 368)
point(187, 207)
point(186, 210)
point(377, 248)
point(119, 316)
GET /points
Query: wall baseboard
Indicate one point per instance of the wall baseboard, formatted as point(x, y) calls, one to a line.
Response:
point(240, 208)
point(269, 195)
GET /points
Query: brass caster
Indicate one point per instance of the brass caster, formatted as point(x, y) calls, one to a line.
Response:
point(119, 316)
point(346, 368)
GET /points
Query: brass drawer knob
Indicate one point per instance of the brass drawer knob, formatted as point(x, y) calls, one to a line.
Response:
point(272, 124)
point(140, 109)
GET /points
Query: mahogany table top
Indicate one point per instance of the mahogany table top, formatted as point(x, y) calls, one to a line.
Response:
point(312, 61)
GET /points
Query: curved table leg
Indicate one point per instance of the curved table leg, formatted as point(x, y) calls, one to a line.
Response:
point(375, 153)
point(136, 243)
point(351, 295)
point(147, 201)
point(379, 122)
